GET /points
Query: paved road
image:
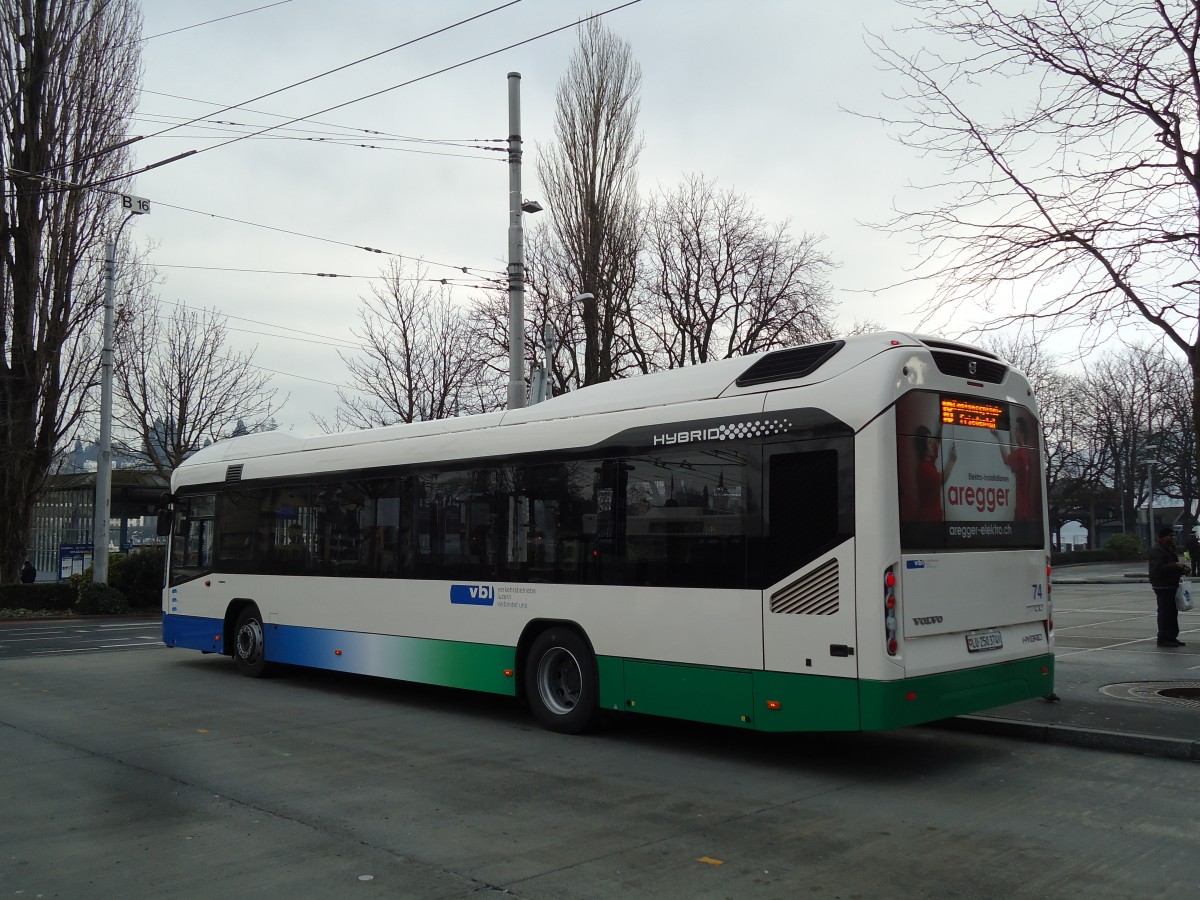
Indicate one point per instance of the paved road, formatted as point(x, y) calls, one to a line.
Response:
point(161, 772)
point(1119, 690)
point(38, 637)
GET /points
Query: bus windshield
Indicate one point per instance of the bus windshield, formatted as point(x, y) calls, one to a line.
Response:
point(969, 473)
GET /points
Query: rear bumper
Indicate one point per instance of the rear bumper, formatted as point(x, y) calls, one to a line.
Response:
point(912, 701)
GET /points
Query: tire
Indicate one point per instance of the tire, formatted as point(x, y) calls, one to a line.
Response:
point(561, 681)
point(249, 643)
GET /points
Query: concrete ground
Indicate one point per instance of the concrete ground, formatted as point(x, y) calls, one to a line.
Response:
point(1117, 690)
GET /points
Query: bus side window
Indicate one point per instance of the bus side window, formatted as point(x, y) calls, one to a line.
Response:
point(191, 544)
point(685, 519)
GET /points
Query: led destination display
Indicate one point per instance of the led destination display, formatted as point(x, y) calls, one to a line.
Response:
point(973, 414)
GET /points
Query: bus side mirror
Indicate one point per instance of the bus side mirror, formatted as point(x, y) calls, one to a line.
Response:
point(165, 519)
point(166, 516)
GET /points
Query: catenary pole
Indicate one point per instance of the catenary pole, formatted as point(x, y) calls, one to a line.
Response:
point(516, 251)
point(103, 504)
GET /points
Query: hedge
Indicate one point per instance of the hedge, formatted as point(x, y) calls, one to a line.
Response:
point(138, 575)
point(49, 596)
point(100, 600)
point(1067, 557)
point(134, 582)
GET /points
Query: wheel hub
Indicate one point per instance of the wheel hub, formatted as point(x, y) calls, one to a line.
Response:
point(560, 681)
point(250, 642)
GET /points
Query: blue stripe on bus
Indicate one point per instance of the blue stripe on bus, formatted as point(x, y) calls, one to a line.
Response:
point(193, 633)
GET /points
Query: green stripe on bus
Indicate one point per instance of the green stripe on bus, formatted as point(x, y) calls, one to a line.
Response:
point(476, 667)
point(784, 701)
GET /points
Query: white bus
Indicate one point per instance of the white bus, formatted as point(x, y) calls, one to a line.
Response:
point(847, 535)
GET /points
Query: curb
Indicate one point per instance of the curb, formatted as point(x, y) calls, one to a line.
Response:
point(1093, 738)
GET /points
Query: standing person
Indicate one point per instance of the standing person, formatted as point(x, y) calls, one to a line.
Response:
point(1165, 572)
point(1193, 549)
point(28, 573)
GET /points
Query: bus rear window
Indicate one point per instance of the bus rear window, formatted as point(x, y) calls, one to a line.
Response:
point(969, 473)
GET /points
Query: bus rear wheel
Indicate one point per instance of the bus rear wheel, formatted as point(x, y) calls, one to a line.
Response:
point(249, 643)
point(561, 681)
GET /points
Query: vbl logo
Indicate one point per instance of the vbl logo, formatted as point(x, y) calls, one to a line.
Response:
point(473, 594)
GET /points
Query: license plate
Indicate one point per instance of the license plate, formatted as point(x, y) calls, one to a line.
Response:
point(984, 640)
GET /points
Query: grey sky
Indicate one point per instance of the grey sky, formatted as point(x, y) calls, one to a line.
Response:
point(747, 93)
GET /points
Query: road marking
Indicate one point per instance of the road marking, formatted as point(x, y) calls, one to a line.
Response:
point(1077, 651)
point(103, 647)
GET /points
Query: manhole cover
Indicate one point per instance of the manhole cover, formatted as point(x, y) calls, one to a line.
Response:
point(1172, 693)
point(1183, 693)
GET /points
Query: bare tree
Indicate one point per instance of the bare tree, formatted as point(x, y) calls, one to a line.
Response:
point(1126, 394)
point(590, 184)
point(1173, 437)
point(1076, 463)
point(179, 385)
point(420, 358)
point(725, 282)
point(547, 304)
point(69, 73)
point(1081, 205)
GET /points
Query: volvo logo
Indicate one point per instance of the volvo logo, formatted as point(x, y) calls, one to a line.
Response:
point(927, 620)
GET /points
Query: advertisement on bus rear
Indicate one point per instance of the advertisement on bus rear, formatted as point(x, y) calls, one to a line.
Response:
point(970, 473)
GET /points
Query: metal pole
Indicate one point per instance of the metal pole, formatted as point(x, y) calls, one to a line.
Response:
point(104, 460)
point(1150, 501)
point(103, 511)
point(551, 346)
point(516, 251)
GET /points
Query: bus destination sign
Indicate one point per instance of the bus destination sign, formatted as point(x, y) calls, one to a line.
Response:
point(972, 413)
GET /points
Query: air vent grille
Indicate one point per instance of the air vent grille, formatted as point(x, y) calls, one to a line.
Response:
point(960, 366)
point(961, 348)
point(816, 594)
point(233, 473)
point(785, 364)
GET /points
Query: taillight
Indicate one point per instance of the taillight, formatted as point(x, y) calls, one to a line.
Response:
point(889, 609)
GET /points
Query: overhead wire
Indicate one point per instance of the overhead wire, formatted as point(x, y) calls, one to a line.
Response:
point(475, 271)
point(369, 96)
point(466, 270)
point(350, 128)
point(445, 282)
point(244, 12)
point(280, 90)
point(309, 335)
point(336, 346)
point(333, 384)
point(348, 143)
point(288, 87)
point(309, 134)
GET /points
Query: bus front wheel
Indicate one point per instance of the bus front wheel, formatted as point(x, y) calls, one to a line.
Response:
point(561, 681)
point(249, 643)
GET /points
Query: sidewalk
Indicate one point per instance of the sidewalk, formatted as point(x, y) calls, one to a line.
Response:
point(1117, 690)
